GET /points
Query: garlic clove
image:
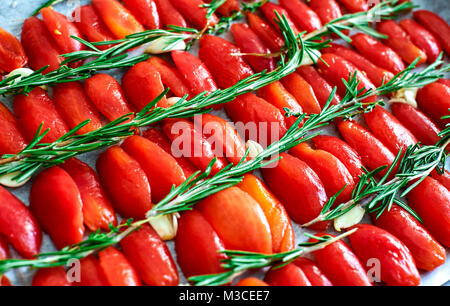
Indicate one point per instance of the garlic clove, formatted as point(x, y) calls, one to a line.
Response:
point(352, 217)
point(22, 72)
point(254, 148)
point(173, 100)
point(159, 45)
point(7, 180)
point(405, 95)
point(310, 60)
point(166, 225)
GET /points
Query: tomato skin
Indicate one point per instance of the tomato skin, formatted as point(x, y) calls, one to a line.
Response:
point(150, 257)
point(422, 38)
point(396, 262)
point(169, 14)
point(443, 178)
point(12, 54)
point(434, 100)
point(223, 135)
point(277, 95)
point(3, 248)
point(378, 53)
point(238, 220)
point(389, 130)
point(117, 18)
point(75, 107)
point(355, 6)
point(283, 237)
point(338, 68)
point(125, 182)
point(170, 76)
point(4, 281)
point(18, 225)
point(228, 7)
point(446, 82)
point(194, 14)
point(331, 171)
point(162, 170)
point(400, 42)
point(118, 270)
point(107, 96)
point(141, 84)
point(345, 153)
point(194, 72)
point(303, 93)
point(373, 152)
point(61, 30)
point(431, 201)
point(227, 69)
point(55, 276)
point(322, 89)
point(376, 74)
point(195, 239)
point(90, 23)
point(56, 202)
point(39, 45)
point(266, 32)
point(251, 282)
point(37, 108)
point(315, 276)
point(11, 139)
point(249, 42)
point(340, 264)
point(327, 10)
point(436, 25)
point(192, 144)
point(158, 137)
point(427, 252)
point(289, 275)
point(97, 209)
point(145, 12)
point(91, 273)
point(417, 122)
point(304, 17)
point(269, 10)
point(249, 110)
point(299, 189)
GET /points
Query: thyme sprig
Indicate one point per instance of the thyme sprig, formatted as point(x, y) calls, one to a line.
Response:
point(239, 262)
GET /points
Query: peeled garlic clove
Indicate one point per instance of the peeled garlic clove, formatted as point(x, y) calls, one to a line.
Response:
point(159, 45)
point(166, 226)
point(352, 217)
point(310, 60)
point(405, 95)
point(254, 148)
point(22, 72)
point(7, 180)
point(173, 100)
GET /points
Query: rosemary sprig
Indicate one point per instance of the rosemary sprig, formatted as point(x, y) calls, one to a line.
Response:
point(239, 262)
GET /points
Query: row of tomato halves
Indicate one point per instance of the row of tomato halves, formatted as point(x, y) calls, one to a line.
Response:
point(252, 216)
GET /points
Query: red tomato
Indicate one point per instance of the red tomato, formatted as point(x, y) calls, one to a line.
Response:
point(11, 140)
point(340, 264)
point(125, 182)
point(39, 46)
point(91, 273)
point(141, 84)
point(56, 276)
point(251, 282)
point(303, 92)
point(397, 265)
point(434, 100)
point(289, 275)
point(194, 13)
point(162, 170)
point(304, 17)
point(170, 77)
point(355, 6)
point(75, 107)
point(268, 35)
point(226, 68)
point(427, 252)
point(169, 14)
point(151, 257)
point(436, 25)
point(118, 270)
point(18, 225)
point(107, 95)
point(97, 209)
point(197, 239)
point(269, 10)
point(315, 276)
point(61, 30)
point(298, 187)
point(228, 7)
point(249, 42)
point(238, 220)
point(37, 108)
point(3, 248)
point(327, 10)
point(145, 12)
point(12, 55)
point(117, 18)
point(322, 89)
point(56, 202)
